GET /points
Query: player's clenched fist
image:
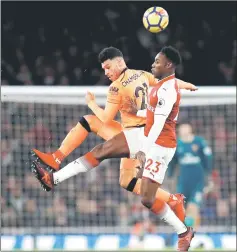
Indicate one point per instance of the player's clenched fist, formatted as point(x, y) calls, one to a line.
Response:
point(89, 97)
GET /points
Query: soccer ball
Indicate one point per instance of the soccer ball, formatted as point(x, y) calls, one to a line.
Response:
point(155, 19)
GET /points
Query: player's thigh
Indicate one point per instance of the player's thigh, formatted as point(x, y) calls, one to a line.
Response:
point(134, 138)
point(156, 164)
point(169, 154)
point(128, 170)
point(108, 130)
point(116, 147)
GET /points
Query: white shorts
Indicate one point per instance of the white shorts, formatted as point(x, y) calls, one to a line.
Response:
point(157, 159)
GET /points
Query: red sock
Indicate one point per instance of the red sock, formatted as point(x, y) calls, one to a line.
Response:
point(58, 155)
point(90, 160)
point(158, 206)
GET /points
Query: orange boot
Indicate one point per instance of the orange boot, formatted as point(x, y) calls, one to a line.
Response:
point(53, 160)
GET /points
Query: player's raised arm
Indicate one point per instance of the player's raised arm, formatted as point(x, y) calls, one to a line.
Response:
point(186, 85)
point(182, 84)
point(111, 107)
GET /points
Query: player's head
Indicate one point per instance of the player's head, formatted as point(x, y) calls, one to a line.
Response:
point(185, 130)
point(165, 62)
point(112, 62)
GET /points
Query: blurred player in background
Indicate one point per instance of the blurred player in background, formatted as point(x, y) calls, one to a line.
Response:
point(127, 94)
point(193, 157)
point(157, 140)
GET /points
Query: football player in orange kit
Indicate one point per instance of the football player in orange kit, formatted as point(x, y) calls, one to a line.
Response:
point(127, 94)
point(157, 140)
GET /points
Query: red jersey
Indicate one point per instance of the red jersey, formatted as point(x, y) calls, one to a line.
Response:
point(164, 99)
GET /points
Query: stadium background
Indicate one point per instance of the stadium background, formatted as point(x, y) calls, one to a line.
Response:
point(56, 44)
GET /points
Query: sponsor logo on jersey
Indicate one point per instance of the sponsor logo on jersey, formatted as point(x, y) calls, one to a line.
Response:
point(195, 147)
point(113, 90)
point(161, 103)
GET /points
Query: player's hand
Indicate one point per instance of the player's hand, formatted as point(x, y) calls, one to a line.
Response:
point(141, 157)
point(193, 88)
point(90, 97)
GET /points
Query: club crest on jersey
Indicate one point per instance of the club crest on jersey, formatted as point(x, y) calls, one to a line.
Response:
point(113, 90)
point(195, 147)
point(161, 102)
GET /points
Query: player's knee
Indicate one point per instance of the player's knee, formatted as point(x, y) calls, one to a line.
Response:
point(147, 202)
point(123, 181)
point(128, 183)
point(86, 122)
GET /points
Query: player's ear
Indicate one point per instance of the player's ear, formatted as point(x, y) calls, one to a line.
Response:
point(169, 64)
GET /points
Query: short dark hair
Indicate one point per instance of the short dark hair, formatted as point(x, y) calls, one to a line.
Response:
point(172, 54)
point(109, 53)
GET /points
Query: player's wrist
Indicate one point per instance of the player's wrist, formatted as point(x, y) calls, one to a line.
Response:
point(91, 104)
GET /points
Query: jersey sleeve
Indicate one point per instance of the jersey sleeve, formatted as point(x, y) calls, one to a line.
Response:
point(114, 94)
point(166, 99)
point(151, 79)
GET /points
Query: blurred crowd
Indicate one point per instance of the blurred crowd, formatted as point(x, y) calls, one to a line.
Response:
point(95, 198)
point(58, 43)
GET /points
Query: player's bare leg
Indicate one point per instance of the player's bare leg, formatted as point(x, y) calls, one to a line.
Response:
point(160, 208)
point(193, 215)
point(130, 179)
point(128, 167)
point(113, 148)
point(76, 136)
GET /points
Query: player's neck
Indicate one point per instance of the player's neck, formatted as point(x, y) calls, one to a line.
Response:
point(167, 75)
point(188, 138)
point(123, 69)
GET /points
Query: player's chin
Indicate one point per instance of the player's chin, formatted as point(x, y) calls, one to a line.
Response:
point(155, 73)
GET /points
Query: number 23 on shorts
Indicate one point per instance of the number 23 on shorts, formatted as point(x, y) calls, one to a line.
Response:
point(152, 166)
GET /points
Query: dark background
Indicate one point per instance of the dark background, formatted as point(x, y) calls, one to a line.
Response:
point(57, 43)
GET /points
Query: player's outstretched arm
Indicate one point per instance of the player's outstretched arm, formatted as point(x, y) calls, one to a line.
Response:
point(182, 84)
point(105, 115)
point(186, 85)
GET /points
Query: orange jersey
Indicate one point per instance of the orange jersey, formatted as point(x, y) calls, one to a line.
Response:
point(163, 96)
point(130, 91)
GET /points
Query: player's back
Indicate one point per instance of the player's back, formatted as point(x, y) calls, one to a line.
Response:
point(130, 91)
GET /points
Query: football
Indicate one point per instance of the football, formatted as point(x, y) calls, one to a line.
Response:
point(155, 19)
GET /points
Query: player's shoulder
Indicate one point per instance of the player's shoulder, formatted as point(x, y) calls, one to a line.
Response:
point(167, 88)
point(199, 139)
point(114, 88)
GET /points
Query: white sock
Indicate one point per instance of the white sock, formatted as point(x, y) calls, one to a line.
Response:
point(70, 170)
point(169, 216)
